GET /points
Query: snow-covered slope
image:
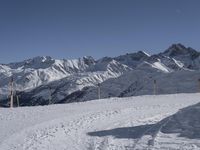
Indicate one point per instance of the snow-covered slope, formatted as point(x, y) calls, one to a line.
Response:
point(137, 82)
point(107, 124)
point(38, 79)
point(38, 71)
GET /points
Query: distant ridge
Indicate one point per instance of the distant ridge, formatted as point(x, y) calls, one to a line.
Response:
point(76, 80)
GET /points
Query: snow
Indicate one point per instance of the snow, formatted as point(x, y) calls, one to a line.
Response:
point(146, 53)
point(160, 66)
point(106, 124)
point(34, 75)
point(181, 65)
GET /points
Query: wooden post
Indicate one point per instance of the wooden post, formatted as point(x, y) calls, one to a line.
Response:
point(199, 85)
point(50, 96)
point(17, 101)
point(99, 92)
point(11, 93)
point(154, 87)
point(0, 98)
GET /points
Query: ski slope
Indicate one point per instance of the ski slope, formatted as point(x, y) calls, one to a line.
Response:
point(107, 124)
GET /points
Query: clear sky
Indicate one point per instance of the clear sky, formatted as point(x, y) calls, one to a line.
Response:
point(76, 28)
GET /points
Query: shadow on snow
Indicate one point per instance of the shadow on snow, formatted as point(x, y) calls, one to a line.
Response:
point(185, 123)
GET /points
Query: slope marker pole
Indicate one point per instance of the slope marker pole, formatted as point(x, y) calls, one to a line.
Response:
point(99, 91)
point(50, 95)
point(17, 101)
point(154, 87)
point(0, 98)
point(11, 93)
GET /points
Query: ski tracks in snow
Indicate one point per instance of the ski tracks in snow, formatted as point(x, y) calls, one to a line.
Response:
point(70, 132)
point(56, 132)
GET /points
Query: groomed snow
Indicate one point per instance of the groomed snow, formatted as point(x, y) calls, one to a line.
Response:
point(108, 124)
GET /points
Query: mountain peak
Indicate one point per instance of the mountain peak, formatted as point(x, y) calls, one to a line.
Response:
point(39, 62)
point(139, 55)
point(40, 59)
point(179, 49)
point(143, 53)
point(89, 60)
point(177, 46)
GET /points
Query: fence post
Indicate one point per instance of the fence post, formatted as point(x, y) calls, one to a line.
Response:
point(154, 87)
point(50, 96)
point(17, 101)
point(199, 85)
point(11, 93)
point(99, 92)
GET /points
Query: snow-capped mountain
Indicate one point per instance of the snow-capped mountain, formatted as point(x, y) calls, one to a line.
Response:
point(40, 70)
point(44, 80)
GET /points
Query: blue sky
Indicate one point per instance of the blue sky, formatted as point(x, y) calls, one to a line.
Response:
point(76, 28)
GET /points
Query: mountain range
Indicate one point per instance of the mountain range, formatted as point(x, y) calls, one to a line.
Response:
point(44, 80)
